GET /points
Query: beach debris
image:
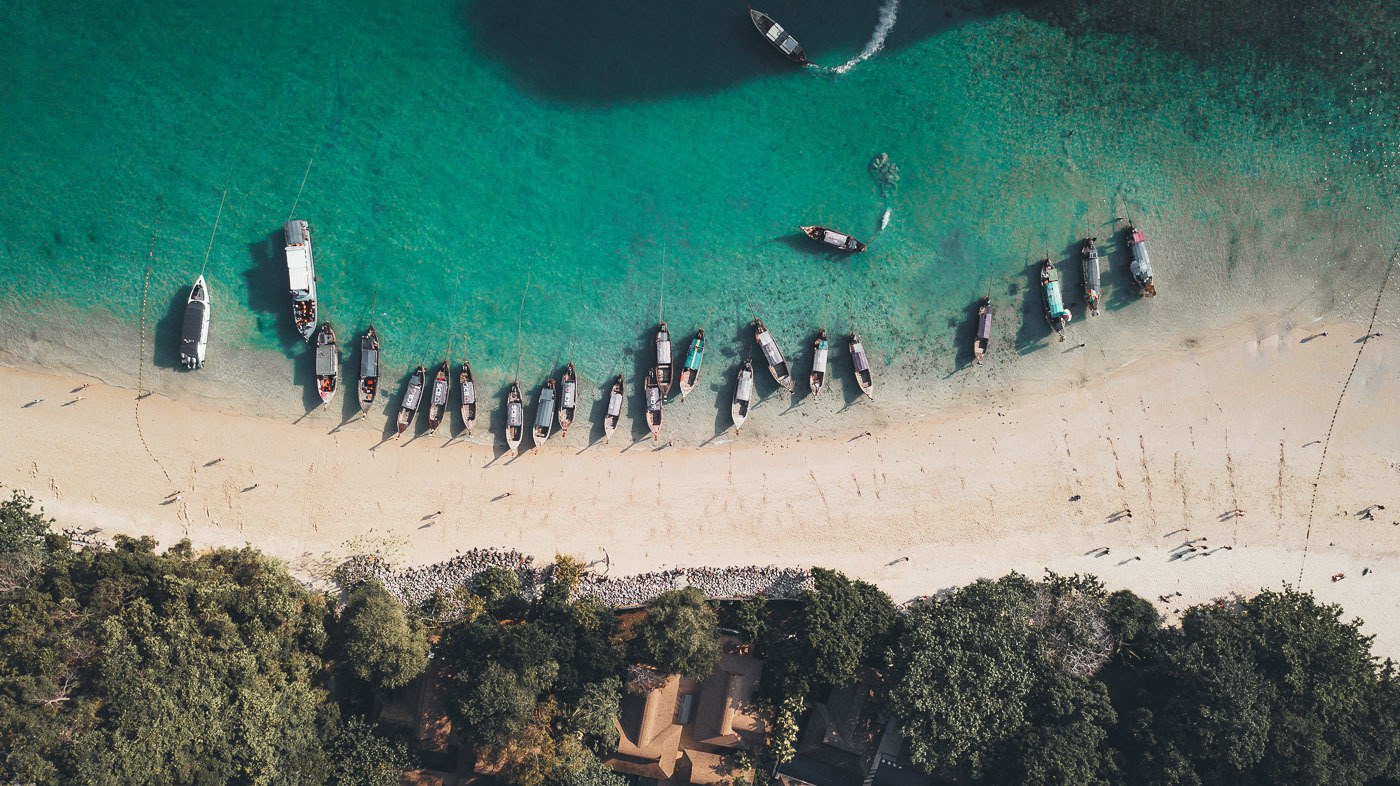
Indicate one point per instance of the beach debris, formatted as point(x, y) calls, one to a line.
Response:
point(1336, 577)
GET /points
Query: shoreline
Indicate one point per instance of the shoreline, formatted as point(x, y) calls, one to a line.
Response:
point(1181, 438)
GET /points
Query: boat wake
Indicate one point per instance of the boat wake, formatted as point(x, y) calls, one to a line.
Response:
point(877, 39)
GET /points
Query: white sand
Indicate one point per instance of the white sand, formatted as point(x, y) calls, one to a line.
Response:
point(1181, 439)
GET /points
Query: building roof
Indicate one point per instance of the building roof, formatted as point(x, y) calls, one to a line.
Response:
point(649, 738)
point(727, 709)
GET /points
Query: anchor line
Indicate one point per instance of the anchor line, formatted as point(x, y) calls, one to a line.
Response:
point(141, 391)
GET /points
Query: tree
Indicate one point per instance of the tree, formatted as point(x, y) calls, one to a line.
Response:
point(595, 715)
point(22, 539)
point(1065, 738)
point(495, 585)
point(382, 646)
point(962, 673)
point(360, 756)
point(679, 634)
point(842, 625)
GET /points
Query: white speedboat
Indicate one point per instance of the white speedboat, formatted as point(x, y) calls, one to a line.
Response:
point(194, 337)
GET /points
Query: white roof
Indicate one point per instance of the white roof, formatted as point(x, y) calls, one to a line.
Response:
point(299, 267)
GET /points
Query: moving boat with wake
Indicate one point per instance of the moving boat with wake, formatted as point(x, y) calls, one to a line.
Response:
point(778, 37)
point(820, 351)
point(984, 329)
point(544, 414)
point(690, 372)
point(615, 398)
point(368, 386)
point(194, 335)
point(568, 399)
point(437, 400)
point(654, 401)
point(515, 419)
point(831, 237)
point(1142, 264)
point(1089, 260)
point(327, 363)
point(861, 362)
point(468, 386)
point(777, 366)
point(412, 397)
point(1055, 312)
point(301, 274)
point(743, 395)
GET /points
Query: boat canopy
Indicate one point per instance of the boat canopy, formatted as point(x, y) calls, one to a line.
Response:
point(469, 392)
point(770, 349)
point(299, 268)
point(1054, 302)
point(745, 389)
point(697, 350)
point(858, 357)
point(663, 350)
point(544, 417)
point(615, 405)
point(1142, 264)
point(195, 323)
point(570, 394)
point(515, 414)
point(439, 391)
point(653, 397)
point(327, 361)
point(836, 238)
point(984, 325)
point(369, 362)
point(819, 357)
point(775, 32)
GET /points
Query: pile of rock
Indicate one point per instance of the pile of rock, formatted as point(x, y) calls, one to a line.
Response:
point(414, 586)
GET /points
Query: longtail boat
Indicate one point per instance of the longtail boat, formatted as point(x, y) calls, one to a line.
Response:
point(1089, 259)
point(544, 413)
point(468, 386)
point(861, 362)
point(614, 414)
point(327, 363)
point(831, 237)
point(515, 419)
point(820, 351)
point(301, 276)
point(690, 372)
point(776, 364)
point(1055, 312)
point(665, 372)
point(1142, 264)
point(743, 395)
point(654, 401)
point(778, 37)
point(412, 397)
point(194, 335)
point(984, 329)
point(437, 401)
point(568, 399)
point(368, 386)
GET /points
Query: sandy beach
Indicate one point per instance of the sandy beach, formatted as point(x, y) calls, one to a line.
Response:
point(1220, 442)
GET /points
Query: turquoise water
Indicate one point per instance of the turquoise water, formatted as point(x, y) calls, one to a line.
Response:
point(606, 164)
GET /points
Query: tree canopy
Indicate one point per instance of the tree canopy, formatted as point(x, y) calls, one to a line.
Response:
point(680, 634)
point(840, 626)
point(382, 646)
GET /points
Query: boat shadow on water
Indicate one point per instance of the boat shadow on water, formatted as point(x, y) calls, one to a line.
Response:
point(964, 329)
point(622, 51)
point(1120, 290)
point(268, 293)
point(165, 336)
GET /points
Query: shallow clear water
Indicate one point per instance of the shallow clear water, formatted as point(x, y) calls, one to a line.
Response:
point(610, 163)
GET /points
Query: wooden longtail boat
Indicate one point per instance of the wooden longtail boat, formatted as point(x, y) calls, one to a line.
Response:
point(984, 329)
point(831, 237)
point(615, 400)
point(861, 362)
point(820, 351)
point(1055, 312)
point(412, 397)
point(568, 399)
point(437, 401)
point(468, 386)
point(778, 37)
point(690, 371)
point(327, 363)
point(1142, 263)
point(301, 276)
point(1089, 260)
point(368, 386)
point(743, 395)
point(654, 401)
point(194, 334)
point(544, 413)
point(665, 371)
point(776, 364)
point(515, 419)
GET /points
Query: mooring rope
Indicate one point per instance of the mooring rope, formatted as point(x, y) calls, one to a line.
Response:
point(141, 391)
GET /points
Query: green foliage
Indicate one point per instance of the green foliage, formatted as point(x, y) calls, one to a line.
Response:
point(595, 715)
point(1064, 740)
point(382, 646)
point(679, 635)
point(359, 756)
point(22, 541)
point(841, 626)
point(567, 571)
point(498, 704)
point(495, 585)
point(782, 743)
